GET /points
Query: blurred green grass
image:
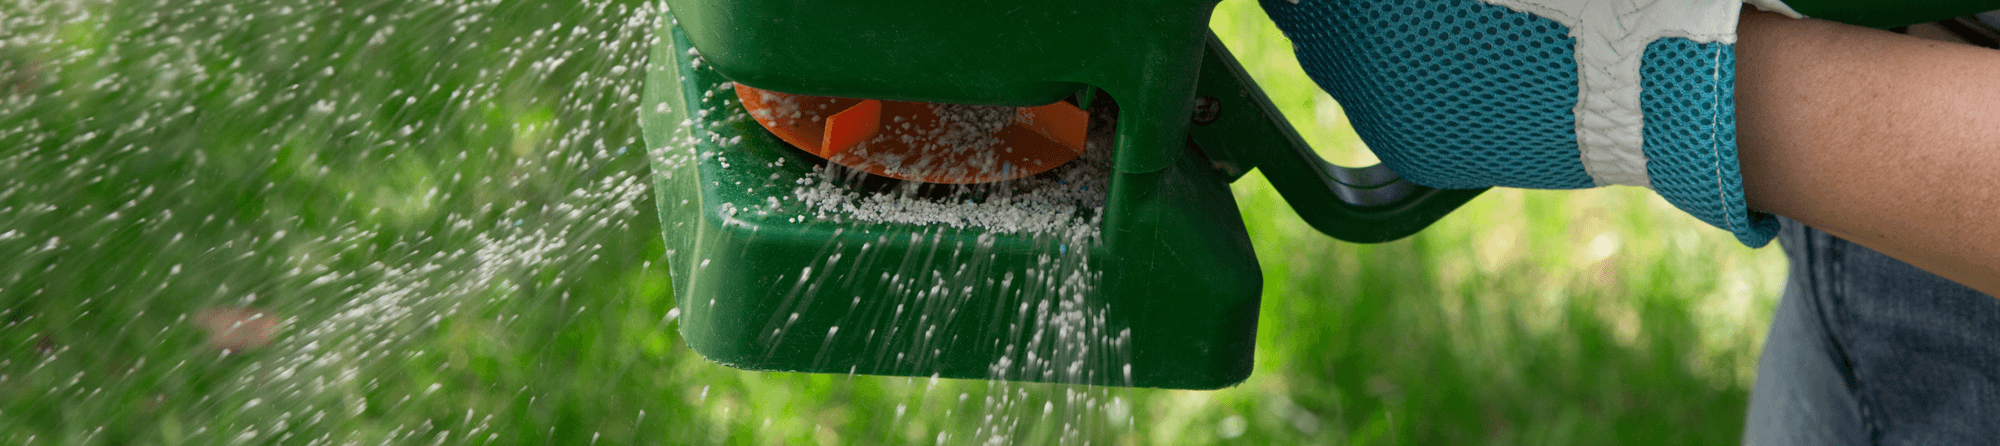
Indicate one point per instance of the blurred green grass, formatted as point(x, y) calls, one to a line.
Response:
point(159, 161)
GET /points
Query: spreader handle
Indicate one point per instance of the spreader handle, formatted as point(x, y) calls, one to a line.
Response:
point(1238, 128)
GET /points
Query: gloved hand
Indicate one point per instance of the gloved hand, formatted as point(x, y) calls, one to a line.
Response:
point(1544, 94)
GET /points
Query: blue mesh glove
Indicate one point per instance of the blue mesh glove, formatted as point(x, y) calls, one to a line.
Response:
point(1544, 94)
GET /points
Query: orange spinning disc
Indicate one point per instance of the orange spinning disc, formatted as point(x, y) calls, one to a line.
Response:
point(922, 141)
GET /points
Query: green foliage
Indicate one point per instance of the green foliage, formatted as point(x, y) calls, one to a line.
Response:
point(444, 208)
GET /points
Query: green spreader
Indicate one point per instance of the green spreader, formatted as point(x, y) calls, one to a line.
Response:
point(1162, 288)
point(1172, 285)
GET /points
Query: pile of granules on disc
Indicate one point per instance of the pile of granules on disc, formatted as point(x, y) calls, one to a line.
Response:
point(784, 107)
point(969, 127)
point(1058, 200)
point(962, 142)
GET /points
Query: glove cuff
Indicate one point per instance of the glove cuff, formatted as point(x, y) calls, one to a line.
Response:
point(1690, 135)
point(1679, 138)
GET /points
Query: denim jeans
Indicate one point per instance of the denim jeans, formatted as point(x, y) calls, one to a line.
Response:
point(1865, 350)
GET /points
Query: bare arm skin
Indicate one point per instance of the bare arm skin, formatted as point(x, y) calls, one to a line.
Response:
point(1886, 140)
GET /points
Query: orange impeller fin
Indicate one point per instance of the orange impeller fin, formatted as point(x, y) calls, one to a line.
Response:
point(1060, 122)
point(851, 127)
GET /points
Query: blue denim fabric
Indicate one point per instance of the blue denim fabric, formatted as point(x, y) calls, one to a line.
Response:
point(1867, 350)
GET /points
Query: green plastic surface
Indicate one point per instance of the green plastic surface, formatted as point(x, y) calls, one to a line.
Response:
point(1175, 264)
point(1023, 52)
point(1364, 205)
point(1889, 14)
point(1192, 313)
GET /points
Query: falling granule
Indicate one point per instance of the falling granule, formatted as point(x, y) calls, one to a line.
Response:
point(961, 119)
point(237, 329)
point(327, 193)
point(1063, 331)
point(1060, 201)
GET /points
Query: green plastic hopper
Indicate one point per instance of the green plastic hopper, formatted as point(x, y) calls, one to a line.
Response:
point(1176, 284)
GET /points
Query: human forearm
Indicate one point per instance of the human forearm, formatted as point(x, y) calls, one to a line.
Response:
point(1886, 140)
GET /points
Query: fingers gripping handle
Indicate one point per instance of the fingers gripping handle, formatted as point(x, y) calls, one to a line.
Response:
point(1239, 129)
